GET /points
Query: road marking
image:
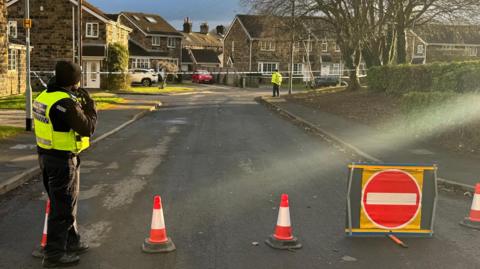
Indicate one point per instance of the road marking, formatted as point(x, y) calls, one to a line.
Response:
point(385, 198)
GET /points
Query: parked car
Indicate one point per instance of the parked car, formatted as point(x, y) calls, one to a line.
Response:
point(327, 81)
point(146, 77)
point(202, 76)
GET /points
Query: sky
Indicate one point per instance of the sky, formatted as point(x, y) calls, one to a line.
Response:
point(215, 12)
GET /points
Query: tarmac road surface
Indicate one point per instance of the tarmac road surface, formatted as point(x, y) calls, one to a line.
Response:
point(220, 161)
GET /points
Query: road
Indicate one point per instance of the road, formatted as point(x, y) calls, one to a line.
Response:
point(220, 161)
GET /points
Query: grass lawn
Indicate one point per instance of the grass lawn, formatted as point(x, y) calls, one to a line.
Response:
point(103, 100)
point(7, 131)
point(168, 89)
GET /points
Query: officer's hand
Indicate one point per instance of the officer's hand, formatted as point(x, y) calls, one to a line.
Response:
point(87, 101)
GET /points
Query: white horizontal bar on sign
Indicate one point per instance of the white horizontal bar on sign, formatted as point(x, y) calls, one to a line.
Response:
point(385, 198)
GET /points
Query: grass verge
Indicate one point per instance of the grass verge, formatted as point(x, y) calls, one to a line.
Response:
point(154, 90)
point(8, 131)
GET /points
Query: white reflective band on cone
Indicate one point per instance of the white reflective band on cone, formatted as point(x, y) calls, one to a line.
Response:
point(283, 217)
point(476, 202)
point(45, 224)
point(157, 219)
point(384, 198)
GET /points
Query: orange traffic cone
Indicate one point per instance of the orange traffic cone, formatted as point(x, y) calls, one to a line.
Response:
point(39, 251)
point(473, 221)
point(283, 237)
point(158, 240)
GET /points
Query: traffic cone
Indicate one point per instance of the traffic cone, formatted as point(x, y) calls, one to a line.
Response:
point(473, 221)
point(39, 251)
point(283, 237)
point(158, 240)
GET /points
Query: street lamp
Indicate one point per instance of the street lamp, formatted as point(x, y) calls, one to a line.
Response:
point(27, 24)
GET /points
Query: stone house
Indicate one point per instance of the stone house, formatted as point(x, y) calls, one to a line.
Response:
point(12, 57)
point(443, 43)
point(260, 43)
point(202, 49)
point(153, 43)
point(54, 36)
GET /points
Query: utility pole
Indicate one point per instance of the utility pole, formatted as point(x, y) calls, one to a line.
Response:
point(292, 48)
point(80, 39)
point(27, 24)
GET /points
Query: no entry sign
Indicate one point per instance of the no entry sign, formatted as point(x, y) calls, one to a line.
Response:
point(391, 199)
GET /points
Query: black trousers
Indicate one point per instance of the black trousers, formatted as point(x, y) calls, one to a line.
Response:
point(276, 90)
point(61, 178)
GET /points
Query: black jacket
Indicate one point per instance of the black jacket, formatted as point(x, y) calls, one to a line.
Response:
point(67, 115)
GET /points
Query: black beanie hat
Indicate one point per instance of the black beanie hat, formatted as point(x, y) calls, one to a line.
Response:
point(67, 73)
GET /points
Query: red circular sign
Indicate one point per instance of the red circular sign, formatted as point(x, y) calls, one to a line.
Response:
point(391, 199)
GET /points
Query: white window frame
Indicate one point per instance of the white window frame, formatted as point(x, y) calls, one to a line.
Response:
point(297, 70)
point(267, 45)
point(12, 25)
point(140, 63)
point(420, 49)
point(337, 47)
point(156, 38)
point(12, 59)
point(472, 51)
point(335, 69)
point(267, 67)
point(89, 30)
point(169, 42)
point(324, 46)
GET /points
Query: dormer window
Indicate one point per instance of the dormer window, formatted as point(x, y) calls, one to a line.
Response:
point(151, 20)
point(156, 40)
point(92, 30)
point(12, 29)
point(136, 17)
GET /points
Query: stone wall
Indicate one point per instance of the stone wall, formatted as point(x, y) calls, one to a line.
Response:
point(237, 47)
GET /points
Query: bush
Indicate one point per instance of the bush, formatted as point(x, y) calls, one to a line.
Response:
point(444, 77)
point(117, 61)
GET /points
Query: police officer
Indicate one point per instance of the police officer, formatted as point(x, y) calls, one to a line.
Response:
point(65, 118)
point(277, 82)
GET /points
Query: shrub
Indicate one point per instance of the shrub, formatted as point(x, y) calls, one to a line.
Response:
point(117, 61)
point(444, 77)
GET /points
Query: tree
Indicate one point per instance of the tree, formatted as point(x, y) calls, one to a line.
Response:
point(117, 63)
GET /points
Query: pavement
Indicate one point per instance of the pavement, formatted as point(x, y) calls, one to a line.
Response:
point(220, 161)
point(454, 169)
point(18, 158)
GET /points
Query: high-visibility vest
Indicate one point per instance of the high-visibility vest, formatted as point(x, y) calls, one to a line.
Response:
point(46, 136)
point(277, 78)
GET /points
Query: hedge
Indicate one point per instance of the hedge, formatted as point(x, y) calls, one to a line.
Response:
point(117, 62)
point(458, 77)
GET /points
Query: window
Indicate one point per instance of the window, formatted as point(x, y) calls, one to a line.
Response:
point(150, 19)
point(136, 17)
point(420, 49)
point(335, 69)
point(267, 45)
point(267, 68)
point(324, 46)
point(140, 63)
point(12, 59)
point(156, 40)
point(92, 29)
point(12, 29)
point(337, 47)
point(171, 42)
point(472, 51)
point(297, 69)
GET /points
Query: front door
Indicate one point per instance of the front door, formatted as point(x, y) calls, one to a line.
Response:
point(92, 80)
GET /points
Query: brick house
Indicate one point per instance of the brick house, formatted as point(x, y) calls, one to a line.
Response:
point(443, 43)
point(260, 43)
point(54, 36)
point(202, 49)
point(153, 41)
point(12, 57)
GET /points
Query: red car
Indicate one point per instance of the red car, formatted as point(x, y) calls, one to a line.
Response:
point(202, 76)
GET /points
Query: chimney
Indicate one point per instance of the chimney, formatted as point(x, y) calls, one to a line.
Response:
point(221, 30)
point(204, 28)
point(187, 25)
